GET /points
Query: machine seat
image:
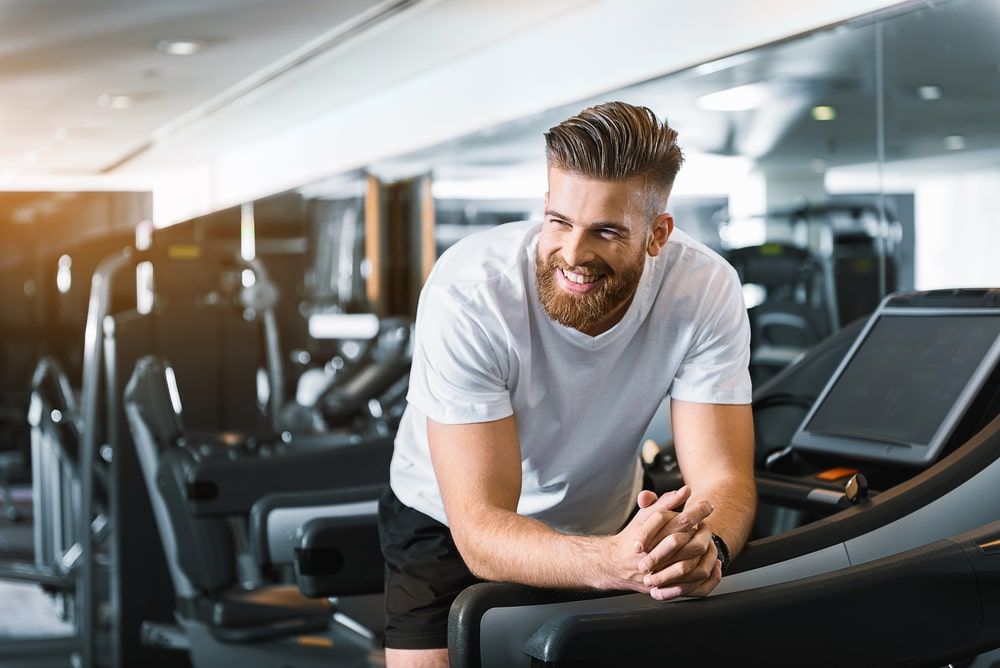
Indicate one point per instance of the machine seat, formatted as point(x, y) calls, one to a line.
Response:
point(260, 614)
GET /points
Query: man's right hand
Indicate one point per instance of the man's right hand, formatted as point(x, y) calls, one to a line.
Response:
point(656, 522)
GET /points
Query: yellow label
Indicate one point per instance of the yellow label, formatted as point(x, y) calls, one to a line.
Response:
point(771, 249)
point(315, 641)
point(184, 252)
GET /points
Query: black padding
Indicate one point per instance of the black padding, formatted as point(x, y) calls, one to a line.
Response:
point(240, 482)
point(340, 556)
point(260, 512)
point(233, 618)
point(466, 614)
point(915, 608)
point(205, 551)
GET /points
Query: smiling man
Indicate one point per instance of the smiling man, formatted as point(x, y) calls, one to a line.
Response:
point(542, 352)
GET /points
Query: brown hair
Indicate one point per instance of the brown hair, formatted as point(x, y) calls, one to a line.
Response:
point(616, 141)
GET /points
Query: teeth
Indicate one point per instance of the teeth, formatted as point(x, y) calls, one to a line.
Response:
point(579, 279)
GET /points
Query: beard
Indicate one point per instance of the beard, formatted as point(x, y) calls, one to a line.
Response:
point(587, 310)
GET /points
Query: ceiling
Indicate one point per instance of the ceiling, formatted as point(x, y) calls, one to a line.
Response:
point(59, 59)
point(952, 45)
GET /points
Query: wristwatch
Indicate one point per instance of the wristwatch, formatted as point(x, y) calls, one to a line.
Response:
point(723, 550)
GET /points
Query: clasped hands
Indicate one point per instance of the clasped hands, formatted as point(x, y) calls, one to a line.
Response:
point(665, 553)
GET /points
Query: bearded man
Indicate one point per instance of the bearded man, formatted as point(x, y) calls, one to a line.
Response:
point(542, 352)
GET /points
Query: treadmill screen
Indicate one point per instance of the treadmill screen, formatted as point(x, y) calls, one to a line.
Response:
point(905, 378)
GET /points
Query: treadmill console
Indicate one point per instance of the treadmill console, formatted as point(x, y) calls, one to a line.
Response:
point(911, 374)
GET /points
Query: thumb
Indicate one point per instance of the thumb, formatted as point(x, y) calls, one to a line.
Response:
point(646, 498)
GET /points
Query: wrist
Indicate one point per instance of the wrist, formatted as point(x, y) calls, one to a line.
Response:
point(602, 572)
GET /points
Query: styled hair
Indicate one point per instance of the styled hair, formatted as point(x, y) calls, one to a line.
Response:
point(616, 141)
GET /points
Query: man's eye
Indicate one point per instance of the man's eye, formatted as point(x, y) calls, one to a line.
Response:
point(608, 233)
point(560, 223)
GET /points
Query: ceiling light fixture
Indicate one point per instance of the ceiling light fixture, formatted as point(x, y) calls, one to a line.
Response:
point(954, 142)
point(824, 113)
point(180, 47)
point(739, 98)
point(929, 93)
point(114, 101)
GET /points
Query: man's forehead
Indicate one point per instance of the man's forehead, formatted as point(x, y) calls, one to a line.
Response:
point(574, 196)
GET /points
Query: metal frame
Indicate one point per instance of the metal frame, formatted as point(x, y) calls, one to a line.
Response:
point(97, 311)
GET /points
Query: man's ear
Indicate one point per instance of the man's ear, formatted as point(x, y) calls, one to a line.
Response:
point(663, 227)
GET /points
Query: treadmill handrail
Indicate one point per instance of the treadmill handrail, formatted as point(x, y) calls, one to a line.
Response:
point(876, 613)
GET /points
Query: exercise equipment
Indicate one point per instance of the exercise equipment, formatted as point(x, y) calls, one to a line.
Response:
point(906, 508)
point(220, 621)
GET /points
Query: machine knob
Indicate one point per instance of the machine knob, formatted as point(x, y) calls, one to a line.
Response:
point(856, 488)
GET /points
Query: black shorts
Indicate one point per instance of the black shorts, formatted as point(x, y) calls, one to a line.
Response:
point(424, 573)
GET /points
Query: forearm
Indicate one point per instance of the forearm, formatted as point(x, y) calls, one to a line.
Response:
point(503, 546)
point(735, 502)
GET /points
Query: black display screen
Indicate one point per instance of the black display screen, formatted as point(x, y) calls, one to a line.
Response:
point(905, 377)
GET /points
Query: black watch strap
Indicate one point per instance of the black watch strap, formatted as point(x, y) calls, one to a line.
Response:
point(723, 550)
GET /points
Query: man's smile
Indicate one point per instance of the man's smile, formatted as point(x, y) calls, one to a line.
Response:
point(577, 283)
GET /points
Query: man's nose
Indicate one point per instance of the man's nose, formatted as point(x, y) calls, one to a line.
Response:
point(576, 250)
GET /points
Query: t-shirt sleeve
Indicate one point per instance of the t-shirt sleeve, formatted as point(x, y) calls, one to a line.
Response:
point(456, 377)
point(716, 367)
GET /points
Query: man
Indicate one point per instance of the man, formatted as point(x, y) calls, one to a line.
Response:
point(542, 352)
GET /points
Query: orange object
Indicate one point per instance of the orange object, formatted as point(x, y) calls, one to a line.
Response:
point(837, 473)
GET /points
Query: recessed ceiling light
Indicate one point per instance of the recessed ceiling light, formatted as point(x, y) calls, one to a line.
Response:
point(739, 98)
point(180, 47)
point(929, 93)
point(824, 113)
point(114, 101)
point(954, 142)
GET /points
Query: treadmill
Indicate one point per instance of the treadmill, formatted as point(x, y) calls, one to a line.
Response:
point(899, 445)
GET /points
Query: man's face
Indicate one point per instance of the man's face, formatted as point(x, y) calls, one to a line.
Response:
point(592, 248)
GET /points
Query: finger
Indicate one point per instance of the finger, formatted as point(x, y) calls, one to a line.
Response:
point(646, 498)
point(690, 589)
point(694, 570)
point(677, 546)
point(690, 518)
point(705, 588)
point(652, 519)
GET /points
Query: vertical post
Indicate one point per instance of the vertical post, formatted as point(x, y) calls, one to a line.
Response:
point(373, 244)
point(428, 244)
point(97, 310)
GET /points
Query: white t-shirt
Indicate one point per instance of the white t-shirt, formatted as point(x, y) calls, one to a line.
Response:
point(485, 349)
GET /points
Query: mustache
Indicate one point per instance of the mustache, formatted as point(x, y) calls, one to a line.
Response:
point(592, 268)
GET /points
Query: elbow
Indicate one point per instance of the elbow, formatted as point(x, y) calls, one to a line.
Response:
point(475, 558)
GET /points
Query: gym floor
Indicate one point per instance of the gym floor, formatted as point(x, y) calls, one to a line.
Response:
point(26, 613)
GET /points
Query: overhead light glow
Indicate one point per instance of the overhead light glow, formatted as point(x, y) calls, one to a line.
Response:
point(954, 142)
point(180, 47)
point(824, 113)
point(248, 236)
point(929, 93)
point(114, 101)
point(64, 275)
point(739, 98)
